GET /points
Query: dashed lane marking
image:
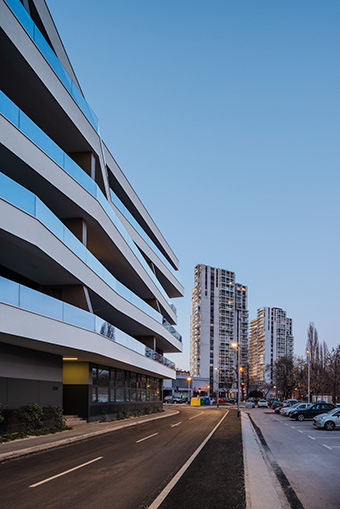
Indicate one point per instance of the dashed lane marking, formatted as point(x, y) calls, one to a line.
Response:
point(64, 473)
point(300, 431)
point(145, 438)
point(313, 438)
point(177, 424)
point(194, 417)
point(327, 446)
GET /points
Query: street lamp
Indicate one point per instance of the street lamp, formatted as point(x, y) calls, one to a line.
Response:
point(217, 377)
point(189, 391)
point(308, 368)
point(237, 346)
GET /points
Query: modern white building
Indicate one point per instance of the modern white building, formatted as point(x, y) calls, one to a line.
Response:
point(219, 318)
point(86, 277)
point(271, 338)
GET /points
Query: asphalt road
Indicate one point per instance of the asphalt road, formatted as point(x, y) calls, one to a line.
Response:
point(309, 457)
point(128, 468)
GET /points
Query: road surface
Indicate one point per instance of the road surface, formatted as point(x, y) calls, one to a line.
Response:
point(129, 468)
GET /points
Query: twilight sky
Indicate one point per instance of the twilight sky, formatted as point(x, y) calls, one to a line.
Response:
point(225, 117)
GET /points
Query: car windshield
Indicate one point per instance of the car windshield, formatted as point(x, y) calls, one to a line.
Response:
point(333, 411)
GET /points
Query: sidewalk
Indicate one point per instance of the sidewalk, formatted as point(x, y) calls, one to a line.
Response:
point(263, 490)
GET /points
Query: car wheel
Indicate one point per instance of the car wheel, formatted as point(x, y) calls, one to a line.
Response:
point(300, 417)
point(329, 425)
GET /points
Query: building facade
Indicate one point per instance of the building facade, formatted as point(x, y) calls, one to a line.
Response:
point(271, 339)
point(86, 277)
point(219, 319)
point(185, 386)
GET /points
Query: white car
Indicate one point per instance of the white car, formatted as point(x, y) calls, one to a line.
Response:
point(263, 403)
point(328, 421)
point(286, 410)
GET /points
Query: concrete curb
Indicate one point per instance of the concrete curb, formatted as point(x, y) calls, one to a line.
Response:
point(263, 490)
point(78, 438)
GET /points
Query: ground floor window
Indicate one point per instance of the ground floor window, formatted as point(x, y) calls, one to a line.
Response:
point(118, 385)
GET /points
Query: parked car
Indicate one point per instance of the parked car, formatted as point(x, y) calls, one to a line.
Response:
point(329, 421)
point(312, 411)
point(287, 407)
point(263, 403)
point(250, 403)
point(298, 406)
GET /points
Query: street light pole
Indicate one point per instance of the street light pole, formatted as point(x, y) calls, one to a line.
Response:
point(189, 391)
point(237, 346)
point(217, 388)
point(238, 380)
point(308, 368)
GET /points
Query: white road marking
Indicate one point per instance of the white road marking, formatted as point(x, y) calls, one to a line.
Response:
point(313, 438)
point(327, 446)
point(194, 417)
point(293, 427)
point(66, 472)
point(300, 431)
point(163, 494)
point(145, 438)
point(177, 424)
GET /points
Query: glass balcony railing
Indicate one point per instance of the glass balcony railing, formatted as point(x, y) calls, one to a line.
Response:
point(14, 193)
point(32, 30)
point(172, 330)
point(39, 138)
point(31, 300)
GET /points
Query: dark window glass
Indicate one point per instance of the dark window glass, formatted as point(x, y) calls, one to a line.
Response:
point(112, 395)
point(120, 378)
point(143, 382)
point(112, 377)
point(103, 394)
point(94, 375)
point(94, 394)
point(103, 377)
point(133, 380)
point(120, 394)
point(133, 395)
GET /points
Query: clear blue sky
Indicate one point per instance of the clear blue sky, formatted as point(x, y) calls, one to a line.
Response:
point(225, 117)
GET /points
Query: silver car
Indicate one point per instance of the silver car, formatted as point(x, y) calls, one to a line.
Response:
point(328, 421)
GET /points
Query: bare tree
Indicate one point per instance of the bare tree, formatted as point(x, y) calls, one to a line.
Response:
point(333, 372)
point(283, 376)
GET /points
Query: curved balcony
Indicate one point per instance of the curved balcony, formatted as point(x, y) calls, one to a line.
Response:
point(20, 197)
point(43, 142)
point(21, 296)
point(32, 30)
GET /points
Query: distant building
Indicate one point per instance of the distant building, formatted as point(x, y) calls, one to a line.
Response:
point(271, 338)
point(183, 388)
point(219, 318)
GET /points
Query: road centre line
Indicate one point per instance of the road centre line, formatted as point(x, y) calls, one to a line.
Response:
point(313, 438)
point(327, 446)
point(64, 473)
point(145, 438)
point(194, 417)
point(177, 424)
point(163, 494)
point(293, 427)
point(300, 431)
